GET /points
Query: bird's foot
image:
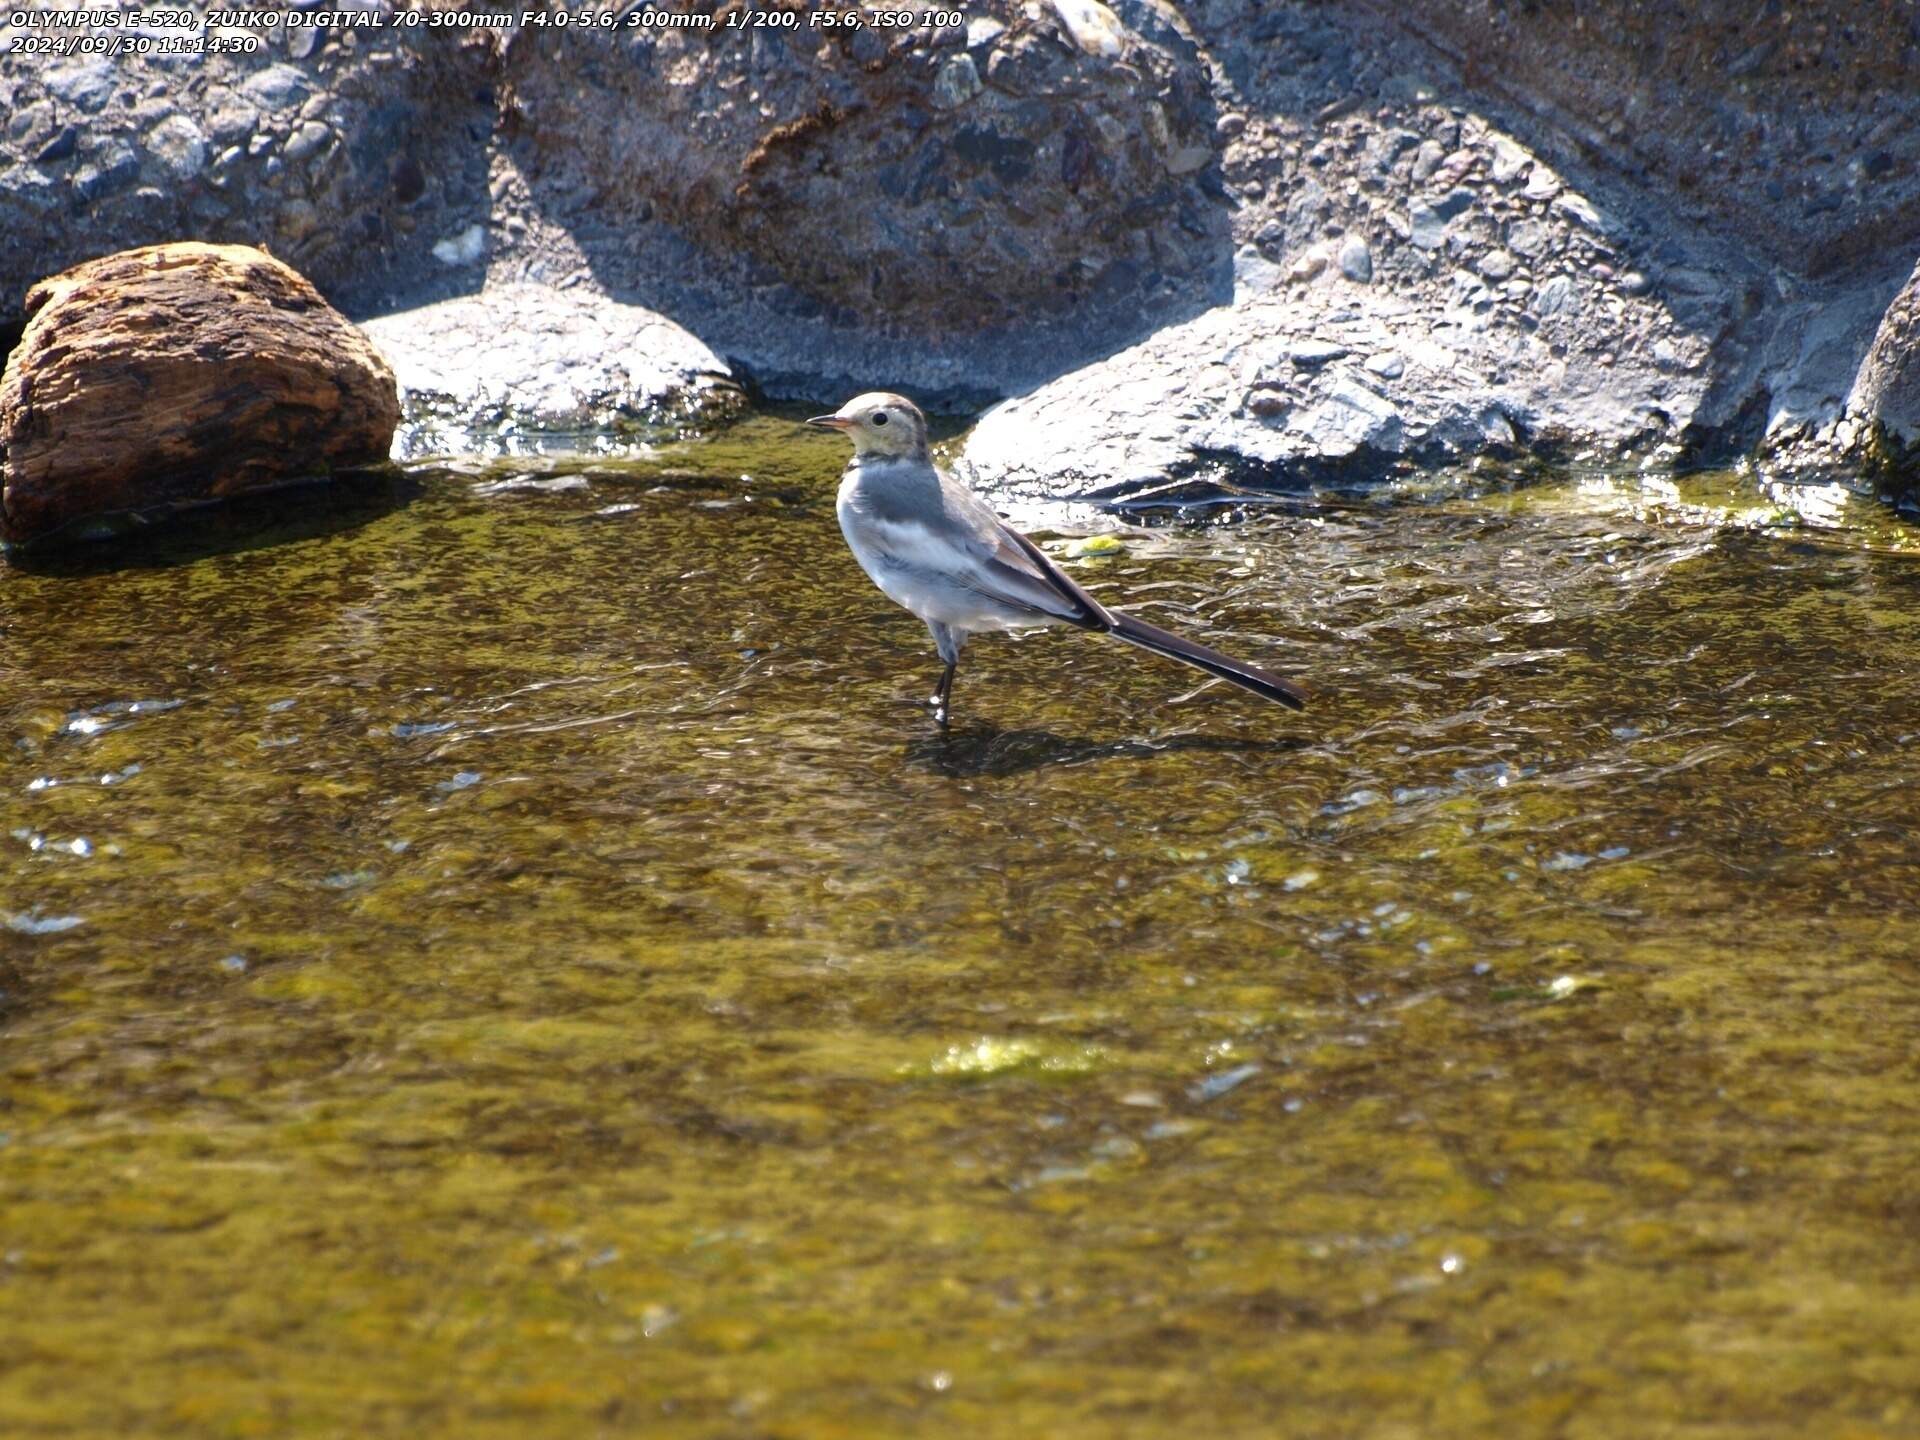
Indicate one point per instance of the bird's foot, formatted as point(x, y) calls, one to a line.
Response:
point(939, 712)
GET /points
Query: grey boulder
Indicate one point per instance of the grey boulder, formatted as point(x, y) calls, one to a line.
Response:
point(523, 367)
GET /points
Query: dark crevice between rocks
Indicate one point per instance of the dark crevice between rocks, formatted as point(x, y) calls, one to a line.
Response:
point(1715, 447)
point(11, 331)
point(1894, 469)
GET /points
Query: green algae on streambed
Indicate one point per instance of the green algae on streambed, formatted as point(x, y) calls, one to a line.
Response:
point(512, 959)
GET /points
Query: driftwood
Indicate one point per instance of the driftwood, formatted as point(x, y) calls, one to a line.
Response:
point(177, 374)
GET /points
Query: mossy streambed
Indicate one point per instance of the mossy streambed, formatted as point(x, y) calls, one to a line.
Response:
point(511, 959)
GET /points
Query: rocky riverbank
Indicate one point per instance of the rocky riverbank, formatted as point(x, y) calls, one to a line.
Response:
point(1285, 241)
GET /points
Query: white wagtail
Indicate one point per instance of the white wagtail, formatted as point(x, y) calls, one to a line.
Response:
point(934, 547)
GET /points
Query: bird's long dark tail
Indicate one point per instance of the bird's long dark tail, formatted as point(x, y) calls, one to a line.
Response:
point(1190, 652)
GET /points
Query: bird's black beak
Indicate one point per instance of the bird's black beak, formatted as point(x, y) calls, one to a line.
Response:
point(830, 422)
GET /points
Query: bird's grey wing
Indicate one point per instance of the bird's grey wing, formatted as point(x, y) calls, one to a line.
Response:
point(1014, 568)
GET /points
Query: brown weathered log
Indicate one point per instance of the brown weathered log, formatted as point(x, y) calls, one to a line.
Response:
point(177, 374)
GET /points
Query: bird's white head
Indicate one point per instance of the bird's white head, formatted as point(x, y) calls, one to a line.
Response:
point(879, 424)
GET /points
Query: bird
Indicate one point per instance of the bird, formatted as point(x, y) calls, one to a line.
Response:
point(939, 551)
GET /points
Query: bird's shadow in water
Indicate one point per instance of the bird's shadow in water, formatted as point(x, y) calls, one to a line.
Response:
point(975, 751)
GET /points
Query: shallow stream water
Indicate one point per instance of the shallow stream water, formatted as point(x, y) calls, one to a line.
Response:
point(510, 957)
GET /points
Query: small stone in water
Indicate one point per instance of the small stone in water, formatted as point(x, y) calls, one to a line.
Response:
point(1566, 860)
point(1349, 803)
point(1054, 1174)
point(1215, 1086)
point(36, 924)
point(655, 1318)
point(1565, 986)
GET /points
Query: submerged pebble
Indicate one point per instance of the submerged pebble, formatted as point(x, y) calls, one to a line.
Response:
point(38, 924)
point(1214, 1086)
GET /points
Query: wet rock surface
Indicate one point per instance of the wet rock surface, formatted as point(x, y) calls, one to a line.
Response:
point(1884, 407)
point(1276, 389)
point(1888, 390)
point(178, 374)
point(523, 366)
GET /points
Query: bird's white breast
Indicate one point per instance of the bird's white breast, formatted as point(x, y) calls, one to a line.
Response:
point(915, 568)
point(890, 552)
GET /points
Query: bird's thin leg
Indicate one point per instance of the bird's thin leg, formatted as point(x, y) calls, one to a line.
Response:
point(948, 641)
point(942, 691)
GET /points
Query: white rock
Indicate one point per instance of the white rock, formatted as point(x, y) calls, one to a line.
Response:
point(311, 135)
point(1356, 260)
point(1509, 161)
point(1092, 26)
point(956, 83)
point(983, 30)
point(1558, 295)
point(179, 145)
point(478, 370)
point(1309, 263)
point(1528, 237)
point(1351, 417)
point(1579, 208)
point(462, 249)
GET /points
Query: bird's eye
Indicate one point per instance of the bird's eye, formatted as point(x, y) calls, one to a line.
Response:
point(879, 417)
